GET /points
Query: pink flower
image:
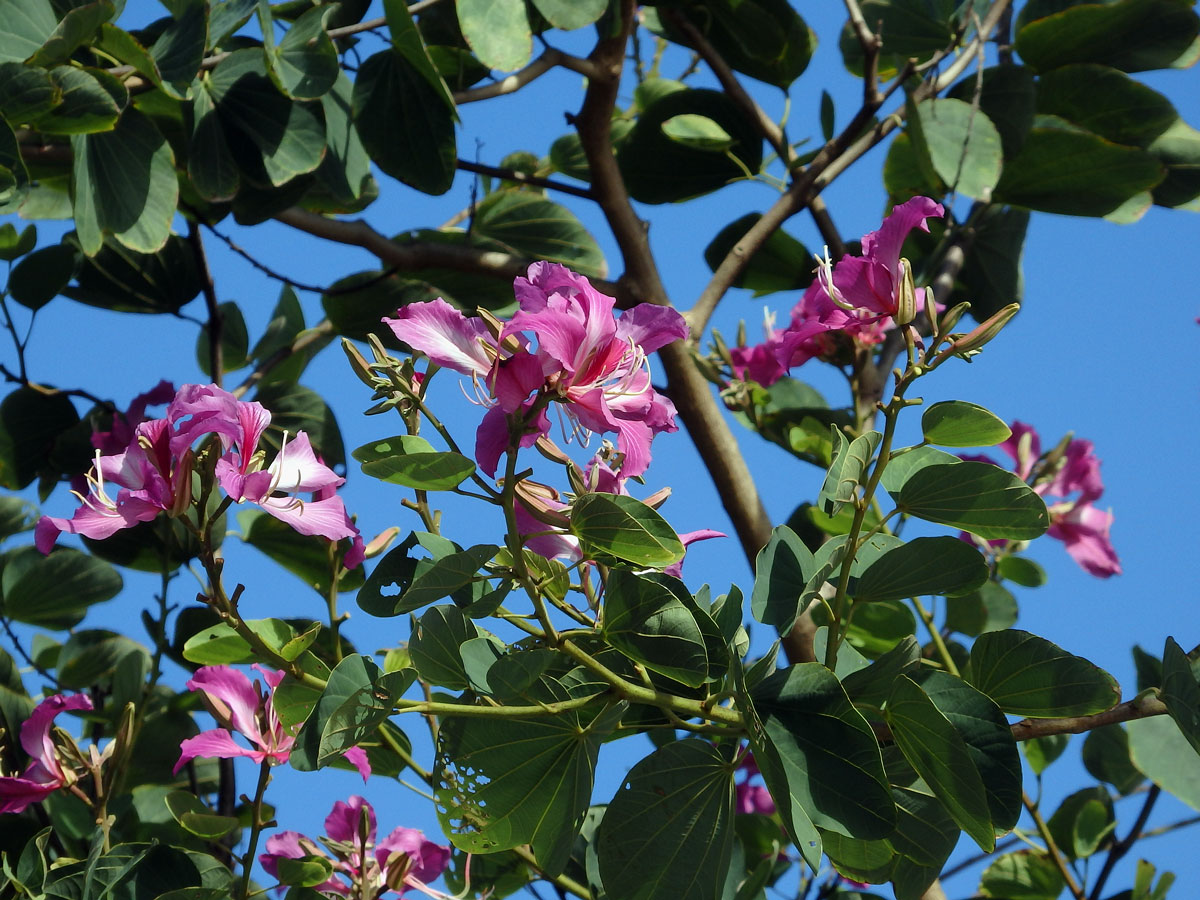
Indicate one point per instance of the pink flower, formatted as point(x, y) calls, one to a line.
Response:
point(402, 861)
point(751, 798)
point(244, 707)
point(593, 364)
point(1069, 491)
point(44, 775)
point(120, 433)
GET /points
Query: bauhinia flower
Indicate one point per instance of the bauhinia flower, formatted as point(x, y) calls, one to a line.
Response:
point(153, 473)
point(362, 868)
point(594, 365)
point(45, 773)
point(750, 797)
point(1070, 483)
point(246, 708)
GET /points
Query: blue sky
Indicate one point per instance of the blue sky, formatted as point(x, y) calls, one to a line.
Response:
point(1105, 346)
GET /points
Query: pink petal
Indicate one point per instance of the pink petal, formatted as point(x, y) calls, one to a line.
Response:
point(688, 538)
point(883, 246)
point(492, 438)
point(1085, 531)
point(1022, 465)
point(35, 731)
point(427, 860)
point(446, 336)
point(200, 409)
point(326, 518)
point(651, 326)
point(514, 379)
point(18, 793)
point(357, 757)
point(296, 468)
point(233, 690)
point(343, 820)
point(215, 744)
point(95, 524)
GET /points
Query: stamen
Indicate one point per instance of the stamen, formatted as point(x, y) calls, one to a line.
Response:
point(825, 277)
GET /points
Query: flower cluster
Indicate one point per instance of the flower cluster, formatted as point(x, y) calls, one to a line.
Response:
point(45, 773)
point(1069, 482)
point(247, 709)
point(591, 363)
point(149, 463)
point(860, 297)
point(362, 868)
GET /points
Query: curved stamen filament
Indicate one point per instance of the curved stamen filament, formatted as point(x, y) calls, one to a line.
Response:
point(107, 506)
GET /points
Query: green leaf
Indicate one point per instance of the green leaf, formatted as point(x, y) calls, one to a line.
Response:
point(444, 577)
point(991, 608)
point(697, 132)
point(55, 591)
point(925, 834)
point(411, 461)
point(959, 143)
point(76, 28)
point(497, 32)
point(1178, 148)
point(41, 276)
point(1082, 822)
point(221, 645)
point(910, 28)
point(873, 683)
point(957, 423)
point(407, 41)
point(91, 655)
point(527, 224)
point(500, 783)
point(624, 528)
point(1106, 756)
point(13, 245)
point(991, 276)
point(24, 27)
point(1007, 97)
point(89, 101)
point(667, 832)
point(782, 263)
point(294, 409)
point(1021, 570)
point(308, 871)
point(196, 818)
point(978, 497)
point(902, 464)
point(435, 643)
point(355, 311)
point(648, 623)
point(849, 466)
point(179, 50)
point(1064, 169)
point(1131, 35)
point(25, 93)
point(16, 516)
point(1040, 752)
point(357, 699)
point(657, 169)
point(1106, 102)
point(826, 750)
point(273, 138)
point(305, 63)
point(30, 424)
point(932, 565)
point(404, 123)
point(119, 279)
point(877, 627)
point(1024, 875)
point(125, 185)
point(1029, 676)
point(211, 166)
point(571, 14)
point(1159, 749)
point(235, 341)
point(781, 578)
point(934, 747)
point(305, 556)
point(1180, 692)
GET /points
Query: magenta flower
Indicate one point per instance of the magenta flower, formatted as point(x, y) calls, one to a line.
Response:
point(591, 363)
point(153, 474)
point(1069, 492)
point(402, 861)
point(748, 797)
point(246, 708)
point(120, 433)
point(45, 774)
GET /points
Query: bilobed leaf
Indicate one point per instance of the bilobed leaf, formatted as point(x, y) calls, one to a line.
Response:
point(54, 591)
point(934, 747)
point(991, 275)
point(1007, 97)
point(235, 341)
point(1131, 35)
point(40, 277)
point(404, 122)
point(307, 871)
point(1106, 102)
point(698, 132)
point(849, 466)
point(407, 41)
point(179, 50)
point(92, 654)
point(925, 834)
point(960, 143)
point(24, 27)
point(221, 645)
point(624, 528)
point(910, 29)
point(646, 621)
point(1178, 148)
point(571, 14)
point(123, 280)
point(957, 423)
point(1082, 821)
point(873, 683)
point(978, 497)
point(211, 166)
point(1159, 749)
point(1180, 692)
point(443, 576)
point(781, 572)
point(30, 424)
point(305, 62)
point(497, 32)
point(904, 463)
point(1029, 676)
point(1065, 169)
point(434, 646)
point(930, 565)
point(527, 224)
point(1024, 875)
point(668, 831)
point(77, 27)
point(86, 102)
point(782, 263)
point(125, 185)
point(827, 751)
point(1040, 752)
point(501, 783)
point(196, 818)
point(411, 461)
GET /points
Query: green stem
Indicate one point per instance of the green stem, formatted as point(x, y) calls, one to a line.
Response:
point(256, 827)
point(562, 882)
point(936, 636)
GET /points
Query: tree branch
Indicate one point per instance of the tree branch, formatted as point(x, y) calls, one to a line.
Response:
point(522, 178)
point(1123, 846)
point(550, 59)
point(686, 386)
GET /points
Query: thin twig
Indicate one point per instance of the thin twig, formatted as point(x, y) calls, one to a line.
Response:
point(216, 321)
point(522, 178)
point(549, 59)
point(1052, 851)
point(1123, 846)
point(25, 656)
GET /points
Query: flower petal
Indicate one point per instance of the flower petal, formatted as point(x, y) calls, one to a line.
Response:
point(18, 793)
point(445, 335)
point(651, 326)
point(357, 757)
point(324, 517)
point(234, 691)
point(296, 468)
point(343, 820)
point(215, 744)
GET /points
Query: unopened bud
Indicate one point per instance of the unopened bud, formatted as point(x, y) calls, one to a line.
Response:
point(950, 319)
point(975, 340)
point(380, 542)
point(358, 364)
point(906, 295)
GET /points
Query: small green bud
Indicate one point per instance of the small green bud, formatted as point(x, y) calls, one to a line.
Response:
point(906, 295)
point(975, 340)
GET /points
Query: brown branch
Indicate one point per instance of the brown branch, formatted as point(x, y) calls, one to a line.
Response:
point(688, 389)
point(1123, 846)
point(550, 59)
point(522, 178)
point(871, 45)
point(303, 341)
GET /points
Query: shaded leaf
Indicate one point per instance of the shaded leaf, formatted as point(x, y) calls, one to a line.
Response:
point(1106, 756)
point(624, 528)
point(497, 32)
point(959, 143)
point(411, 461)
point(527, 224)
point(782, 263)
point(1159, 749)
point(957, 423)
point(648, 623)
point(933, 565)
point(1180, 692)
point(1024, 875)
point(54, 591)
point(978, 497)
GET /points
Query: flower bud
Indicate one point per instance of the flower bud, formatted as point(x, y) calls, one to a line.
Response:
point(973, 342)
point(358, 364)
point(906, 295)
point(380, 542)
point(950, 319)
